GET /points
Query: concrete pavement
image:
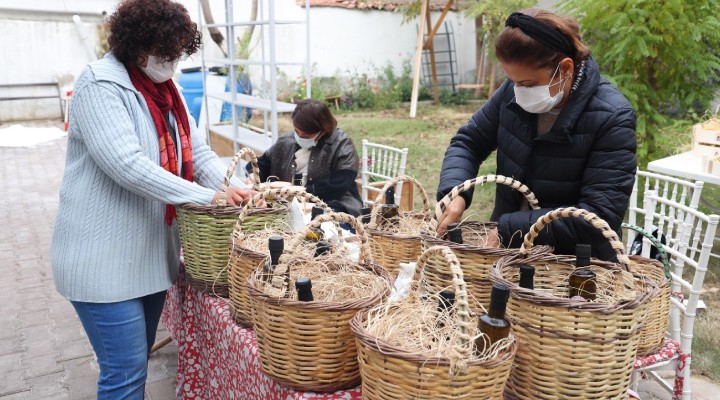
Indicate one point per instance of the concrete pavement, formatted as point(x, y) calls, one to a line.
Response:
point(44, 352)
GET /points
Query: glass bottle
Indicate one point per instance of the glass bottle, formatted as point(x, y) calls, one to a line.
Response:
point(297, 179)
point(303, 286)
point(454, 233)
point(527, 273)
point(276, 245)
point(389, 210)
point(365, 215)
point(314, 235)
point(315, 212)
point(447, 300)
point(582, 281)
point(322, 248)
point(493, 324)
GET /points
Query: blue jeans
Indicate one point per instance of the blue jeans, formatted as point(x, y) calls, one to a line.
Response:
point(122, 334)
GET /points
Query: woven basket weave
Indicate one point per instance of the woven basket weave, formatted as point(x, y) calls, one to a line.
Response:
point(309, 345)
point(476, 260)
point(390, 372)
point(243, 261)
point(657, 321)
point(205, 230)
point(391, 249)
point(573, 349)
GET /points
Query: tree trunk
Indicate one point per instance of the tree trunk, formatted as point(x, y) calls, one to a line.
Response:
point(215, 33)
point(479, 58)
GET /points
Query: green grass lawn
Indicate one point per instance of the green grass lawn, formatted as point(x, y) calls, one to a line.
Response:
point(427, 137)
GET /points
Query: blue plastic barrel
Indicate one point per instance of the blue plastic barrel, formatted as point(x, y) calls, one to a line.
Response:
point(192, 91)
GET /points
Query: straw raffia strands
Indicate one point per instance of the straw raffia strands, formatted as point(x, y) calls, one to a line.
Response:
point(405, 355)
point(657, 321)
point(309, 345)
point(473, 254)
point(573, 348)
point(248, 249)
point(397, 244)
point(204, 231)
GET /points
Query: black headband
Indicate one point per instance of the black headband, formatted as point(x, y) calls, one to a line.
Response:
point(541, 32)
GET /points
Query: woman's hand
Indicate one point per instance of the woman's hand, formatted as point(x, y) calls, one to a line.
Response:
point(238, 197)
point(453, 214)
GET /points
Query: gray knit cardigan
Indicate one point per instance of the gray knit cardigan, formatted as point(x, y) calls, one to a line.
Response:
point(110, 242)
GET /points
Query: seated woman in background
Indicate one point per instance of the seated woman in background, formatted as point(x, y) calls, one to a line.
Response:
point(322, 152)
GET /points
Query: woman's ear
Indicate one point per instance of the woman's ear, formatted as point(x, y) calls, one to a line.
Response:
point(142, 61)
point(567, 68)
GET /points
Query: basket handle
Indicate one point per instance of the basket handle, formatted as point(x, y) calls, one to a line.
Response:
point(245, 152)
point(653, 240)
point(444, 203)
point(392, 182)
point(281, 192)
point(592, 218)
point(338, 217)
point(461, 296)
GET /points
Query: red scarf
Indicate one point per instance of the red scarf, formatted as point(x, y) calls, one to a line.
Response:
point(162, 98)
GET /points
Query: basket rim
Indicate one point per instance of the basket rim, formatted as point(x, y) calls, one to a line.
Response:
point(377, 231)
point(244, 251)
point(547, 300)
point(382, 346)
point(228, 210)
point(657, 263)
point(356, 304)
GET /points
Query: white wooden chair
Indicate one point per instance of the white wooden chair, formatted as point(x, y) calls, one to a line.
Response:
point(679, 191)
point(692, 249)
point(379, 163)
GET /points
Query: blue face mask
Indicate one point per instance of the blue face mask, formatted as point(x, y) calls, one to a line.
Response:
point(304, 143)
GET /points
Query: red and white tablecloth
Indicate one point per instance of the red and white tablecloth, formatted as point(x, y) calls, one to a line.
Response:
point(217, 358)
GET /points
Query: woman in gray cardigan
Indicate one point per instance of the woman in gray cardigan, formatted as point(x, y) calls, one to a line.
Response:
point(133, 154)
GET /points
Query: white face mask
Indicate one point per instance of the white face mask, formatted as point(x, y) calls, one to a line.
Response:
point(158, 70)
point(305, 143)
point(537, 99)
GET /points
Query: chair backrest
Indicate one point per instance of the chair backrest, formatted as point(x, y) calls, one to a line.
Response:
point(697, 234)
point(380, 163)
point(677, 190)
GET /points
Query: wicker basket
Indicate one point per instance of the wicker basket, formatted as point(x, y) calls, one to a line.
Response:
point(205, 230)
point(242, 261)
point(309, 345)
point(656, 324)
point(476, 260)
point(391, 372)
point(391, 249)
point(572, 349)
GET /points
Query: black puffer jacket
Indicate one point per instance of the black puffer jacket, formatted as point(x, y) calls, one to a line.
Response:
point(332, 169)
point(587, 160)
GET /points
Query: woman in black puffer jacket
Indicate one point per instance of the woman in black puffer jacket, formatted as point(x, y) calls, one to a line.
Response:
point(558, 127)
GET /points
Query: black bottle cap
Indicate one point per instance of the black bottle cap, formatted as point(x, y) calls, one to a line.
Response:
point(498, 297)
point(527, 270)
point(582, 254)
point(276, 245)
point(297, 178)
point(365, 215)
point(315, 212)
point(454, 232)
point(322, 247)
point(447, 299)
point(303, 286)
point(390, 195)
point(526, 276)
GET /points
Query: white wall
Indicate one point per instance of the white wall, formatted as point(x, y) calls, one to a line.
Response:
point(41, 43)
point(343, 40)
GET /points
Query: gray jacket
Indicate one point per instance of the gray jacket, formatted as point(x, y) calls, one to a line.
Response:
point(332, 169)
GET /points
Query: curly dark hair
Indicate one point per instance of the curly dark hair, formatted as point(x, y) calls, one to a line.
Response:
point(161, 28)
